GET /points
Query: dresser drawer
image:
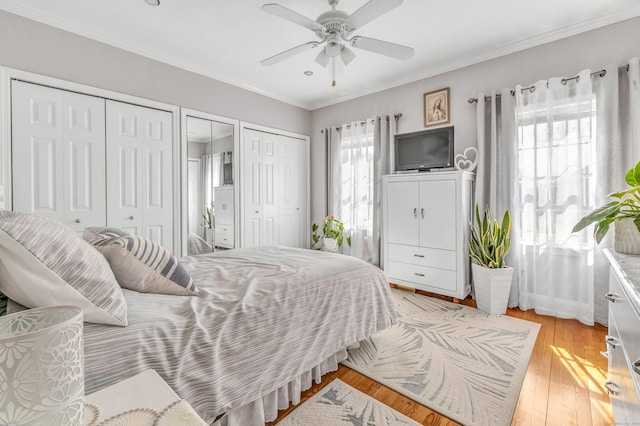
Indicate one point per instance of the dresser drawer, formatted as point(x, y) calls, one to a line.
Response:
point(433, 277)
point(626, 320)
point(423, 256)
point(622, 386)
point(224, 229)
point(224, 240)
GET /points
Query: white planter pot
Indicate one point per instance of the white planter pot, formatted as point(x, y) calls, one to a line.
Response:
point(330, 244)
point(627, 238)
point(209, 233)
point(492, 287)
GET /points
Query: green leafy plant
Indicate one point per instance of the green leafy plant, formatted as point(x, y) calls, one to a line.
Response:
point(626, 204)
point(209, 218)
point(331, 228)
point(490, 241)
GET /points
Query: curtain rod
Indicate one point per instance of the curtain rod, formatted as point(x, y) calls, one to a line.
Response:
point(532, 88)
point(396, 116)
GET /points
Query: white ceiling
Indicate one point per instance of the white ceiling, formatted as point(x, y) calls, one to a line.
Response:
point(226, 40)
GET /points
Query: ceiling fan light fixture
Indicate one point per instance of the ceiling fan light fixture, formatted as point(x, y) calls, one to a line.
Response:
point(347, 55)
point(322, 58)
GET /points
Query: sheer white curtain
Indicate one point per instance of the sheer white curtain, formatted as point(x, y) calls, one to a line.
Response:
point(550, 157)
point(358, 158)
point(212, 176)
point(556, 178)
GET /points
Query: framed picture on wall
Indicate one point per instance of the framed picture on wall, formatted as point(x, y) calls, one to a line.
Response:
point(436, 107)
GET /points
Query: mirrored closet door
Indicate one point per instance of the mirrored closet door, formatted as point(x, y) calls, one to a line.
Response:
point(210, 195)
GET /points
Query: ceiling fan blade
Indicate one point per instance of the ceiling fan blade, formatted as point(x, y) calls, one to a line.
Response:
point(370, 11)
point(291, 16)
point(288, 53)
point(382, 47)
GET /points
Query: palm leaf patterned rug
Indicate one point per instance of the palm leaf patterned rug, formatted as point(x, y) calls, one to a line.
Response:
point(339, 404)
point(456, 360)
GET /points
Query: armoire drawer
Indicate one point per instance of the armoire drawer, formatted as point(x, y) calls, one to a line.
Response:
point(627, 321)
point(433, 277)
point(423, 256)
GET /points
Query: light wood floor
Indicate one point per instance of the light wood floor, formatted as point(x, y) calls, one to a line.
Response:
point(564, 384)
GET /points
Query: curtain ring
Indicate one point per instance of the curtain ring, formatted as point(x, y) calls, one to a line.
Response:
point(532, 89)
point(577, 79)
point(604, 72)
point(563, 81)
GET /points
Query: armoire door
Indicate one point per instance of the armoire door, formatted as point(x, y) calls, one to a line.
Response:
point(437, 214)
point(293, 192)
point(403, 213)
point(58, 154)
point(140, 172)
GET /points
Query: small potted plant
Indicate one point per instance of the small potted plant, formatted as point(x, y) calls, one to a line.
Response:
point(488, 246)
point(209, 224)
point(332, 235)
point(624, 211)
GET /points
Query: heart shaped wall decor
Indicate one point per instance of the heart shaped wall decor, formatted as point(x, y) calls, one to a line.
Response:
point(467, 161)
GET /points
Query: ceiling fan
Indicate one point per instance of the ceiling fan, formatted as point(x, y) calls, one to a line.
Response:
point(334, 29)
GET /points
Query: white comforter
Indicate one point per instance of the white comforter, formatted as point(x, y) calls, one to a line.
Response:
point(264, 316)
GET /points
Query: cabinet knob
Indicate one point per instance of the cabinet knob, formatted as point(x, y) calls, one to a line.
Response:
point(612, 387)
point(422, 212)
point(131, 217)
point(77, 220)
point(415, 213)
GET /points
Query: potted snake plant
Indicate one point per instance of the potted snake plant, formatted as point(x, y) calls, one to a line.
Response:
point(488, 245)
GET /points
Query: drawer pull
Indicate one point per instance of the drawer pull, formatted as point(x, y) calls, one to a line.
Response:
point(604, 354)
point(418, 274)
point(415, 213)
point(419, 255)
point(612, 297)
point(612, 341)
point(636, 366)
point(610, 385)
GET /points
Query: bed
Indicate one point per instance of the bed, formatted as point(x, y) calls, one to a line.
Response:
point(267, 322)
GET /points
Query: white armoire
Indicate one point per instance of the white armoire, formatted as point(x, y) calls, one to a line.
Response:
point(426, 229)
point(89, 161)
point(224, 208)
point(273, 190)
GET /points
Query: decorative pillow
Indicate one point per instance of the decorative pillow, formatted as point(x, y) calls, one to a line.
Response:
point(44, 263)
point(3, 304)
point(140, 264)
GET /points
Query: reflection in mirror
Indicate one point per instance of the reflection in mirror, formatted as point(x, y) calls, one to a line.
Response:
point(209, 165)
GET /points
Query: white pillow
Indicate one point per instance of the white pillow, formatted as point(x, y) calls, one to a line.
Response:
point(44, 263)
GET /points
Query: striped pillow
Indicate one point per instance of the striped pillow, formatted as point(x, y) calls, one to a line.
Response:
point(3, 304)
point(140, 264)
point(44, 263)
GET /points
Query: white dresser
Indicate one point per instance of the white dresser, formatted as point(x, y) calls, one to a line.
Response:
point(623, 340)
point(223, 199)
point(425, 229)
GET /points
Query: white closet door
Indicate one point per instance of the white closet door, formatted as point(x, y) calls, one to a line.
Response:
point(139, 176)
point(251, 191)
point(58, 145)
point(270, 182)
point(293, 192)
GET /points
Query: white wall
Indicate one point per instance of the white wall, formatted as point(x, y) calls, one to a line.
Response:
point(594, 49)
point(31, 46)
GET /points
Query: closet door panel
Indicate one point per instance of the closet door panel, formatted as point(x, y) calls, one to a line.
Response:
point(251, 193)
point(270, 181)
point(124, 174)
point(58, 146)
point(84, 171)
point(292, 191)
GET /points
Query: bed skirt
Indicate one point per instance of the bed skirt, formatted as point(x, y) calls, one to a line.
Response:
point(265, 409)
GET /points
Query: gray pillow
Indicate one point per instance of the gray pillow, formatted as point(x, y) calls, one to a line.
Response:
point(140, 264)
point(44, 263)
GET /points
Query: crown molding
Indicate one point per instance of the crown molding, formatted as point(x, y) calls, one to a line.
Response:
point(17, 8)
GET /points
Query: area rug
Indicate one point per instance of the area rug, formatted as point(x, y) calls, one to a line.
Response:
point(456, 360)
point(340, 404)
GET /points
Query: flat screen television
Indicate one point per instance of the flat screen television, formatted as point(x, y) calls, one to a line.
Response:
point(424, 150)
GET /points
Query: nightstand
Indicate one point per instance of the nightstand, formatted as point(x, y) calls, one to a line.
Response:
point(147, 391)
